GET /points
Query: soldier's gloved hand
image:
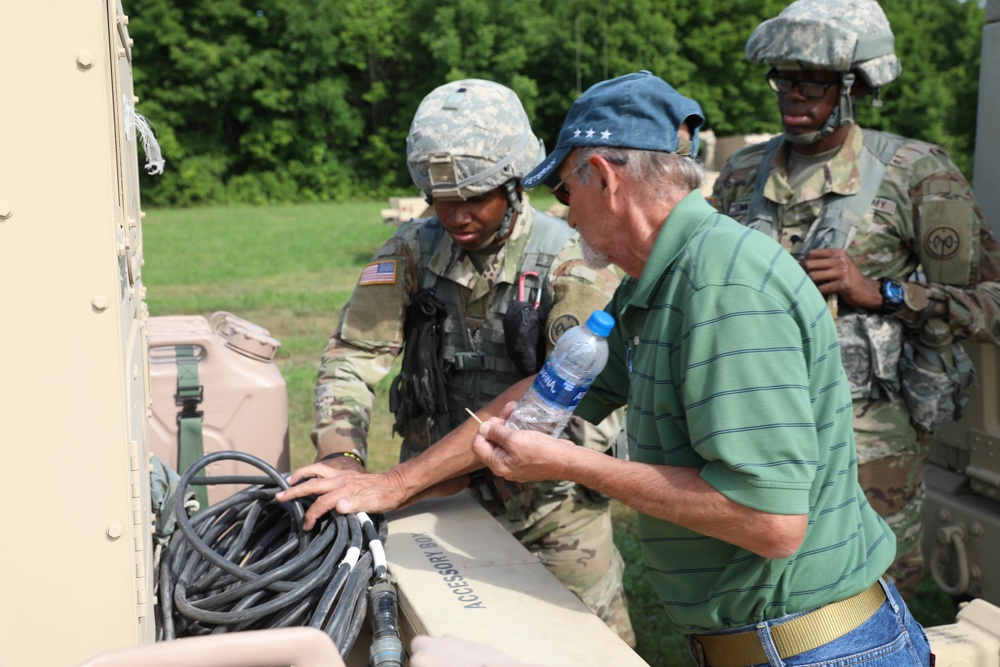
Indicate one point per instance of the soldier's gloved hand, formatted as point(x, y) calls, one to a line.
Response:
point(451, 651)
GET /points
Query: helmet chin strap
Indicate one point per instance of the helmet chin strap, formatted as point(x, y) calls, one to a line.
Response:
point(842, 114)
point(514, 206)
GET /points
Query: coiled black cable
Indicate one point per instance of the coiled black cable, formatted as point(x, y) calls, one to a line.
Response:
point(246, 564)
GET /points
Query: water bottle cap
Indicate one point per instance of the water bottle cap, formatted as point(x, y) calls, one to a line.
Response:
point(601, 323)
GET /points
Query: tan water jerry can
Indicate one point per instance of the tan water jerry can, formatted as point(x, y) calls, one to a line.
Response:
point(245, 400)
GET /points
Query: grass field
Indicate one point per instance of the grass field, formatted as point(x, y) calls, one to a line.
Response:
point(290, 269)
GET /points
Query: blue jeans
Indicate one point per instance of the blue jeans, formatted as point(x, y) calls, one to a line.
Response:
point(890, 638)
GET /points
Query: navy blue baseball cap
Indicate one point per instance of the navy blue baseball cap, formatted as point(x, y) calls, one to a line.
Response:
point(637, 110)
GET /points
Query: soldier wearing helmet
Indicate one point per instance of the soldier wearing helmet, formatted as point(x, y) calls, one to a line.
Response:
point(474, 297)
point(885, 226)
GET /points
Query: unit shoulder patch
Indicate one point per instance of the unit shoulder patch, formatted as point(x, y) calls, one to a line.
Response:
point(943, 243)
point(560, 325)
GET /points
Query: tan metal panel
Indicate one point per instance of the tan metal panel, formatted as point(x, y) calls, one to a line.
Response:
point(71, 353)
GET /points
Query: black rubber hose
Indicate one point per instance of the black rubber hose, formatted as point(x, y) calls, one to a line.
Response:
point(245, 563)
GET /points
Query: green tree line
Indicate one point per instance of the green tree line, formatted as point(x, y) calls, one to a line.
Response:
point(264, 101)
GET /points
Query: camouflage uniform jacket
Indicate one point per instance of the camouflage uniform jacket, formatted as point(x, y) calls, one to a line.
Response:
point(923, 228)
point(370, 334)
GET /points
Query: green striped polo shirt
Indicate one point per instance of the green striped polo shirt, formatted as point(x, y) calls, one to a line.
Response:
point(728, 360)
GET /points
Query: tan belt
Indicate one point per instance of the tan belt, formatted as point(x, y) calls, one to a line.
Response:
point(801, 634)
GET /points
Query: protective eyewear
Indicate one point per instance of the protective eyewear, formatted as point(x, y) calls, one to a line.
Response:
point(560, 191)
point(807, 87)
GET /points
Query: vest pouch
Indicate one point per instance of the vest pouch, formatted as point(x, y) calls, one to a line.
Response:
point(419, 389)
point(870, 348)
point(523, 337)
point(935, 383)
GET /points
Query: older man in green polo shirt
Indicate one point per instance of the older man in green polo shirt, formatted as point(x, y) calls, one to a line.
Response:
point(742, 465)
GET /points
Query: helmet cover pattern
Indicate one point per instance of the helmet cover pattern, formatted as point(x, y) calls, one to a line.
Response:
point(837, 35)
point(469, 137)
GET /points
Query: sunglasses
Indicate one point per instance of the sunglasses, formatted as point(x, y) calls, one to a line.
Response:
point(807, 87)
point(560, 192)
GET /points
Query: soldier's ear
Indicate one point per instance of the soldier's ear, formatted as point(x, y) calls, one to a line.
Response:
point(861, 88)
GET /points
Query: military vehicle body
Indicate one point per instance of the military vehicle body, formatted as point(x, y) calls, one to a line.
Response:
point(77, 566)
point(74, 363)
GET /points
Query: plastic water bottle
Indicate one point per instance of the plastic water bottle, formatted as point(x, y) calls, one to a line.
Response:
point(579, 356)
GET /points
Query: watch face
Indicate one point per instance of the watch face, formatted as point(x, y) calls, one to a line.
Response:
point(893, 291)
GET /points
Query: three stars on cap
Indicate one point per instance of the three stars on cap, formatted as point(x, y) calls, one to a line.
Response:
point(590, 132)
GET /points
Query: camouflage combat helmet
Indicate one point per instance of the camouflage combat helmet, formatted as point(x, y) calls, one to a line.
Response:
point(844, 36)
point(469, 137)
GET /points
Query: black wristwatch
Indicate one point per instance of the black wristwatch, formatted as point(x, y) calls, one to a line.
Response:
point(892, 295)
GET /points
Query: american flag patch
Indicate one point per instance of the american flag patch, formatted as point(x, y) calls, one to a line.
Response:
point(379, 273)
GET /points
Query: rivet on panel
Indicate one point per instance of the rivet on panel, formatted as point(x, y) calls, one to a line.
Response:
point(116, 530)
point(5, 210)
point(85, 60)
point(100, 302)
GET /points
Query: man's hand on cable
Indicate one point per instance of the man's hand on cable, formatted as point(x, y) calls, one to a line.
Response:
point(834, 272)
point(520, 456)
point(344, 487)
point(347, 487)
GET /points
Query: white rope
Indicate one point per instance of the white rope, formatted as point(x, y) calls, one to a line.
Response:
point(136, 122)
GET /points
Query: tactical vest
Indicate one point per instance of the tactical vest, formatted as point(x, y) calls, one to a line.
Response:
point(841, 214)
point(880, 360)
point(478, 368)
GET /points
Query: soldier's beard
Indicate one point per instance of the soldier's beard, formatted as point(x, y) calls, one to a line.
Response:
point(591, 257)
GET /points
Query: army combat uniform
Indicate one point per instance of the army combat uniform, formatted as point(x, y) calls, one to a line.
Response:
point(923, 228)
point(566, 525)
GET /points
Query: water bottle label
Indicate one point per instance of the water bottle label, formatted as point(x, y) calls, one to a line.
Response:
point(558, 391)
